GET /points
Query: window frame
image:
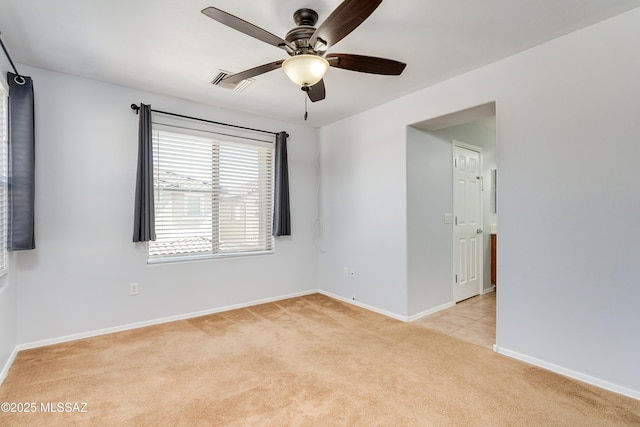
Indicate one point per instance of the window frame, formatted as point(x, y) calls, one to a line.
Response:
point(224, 136)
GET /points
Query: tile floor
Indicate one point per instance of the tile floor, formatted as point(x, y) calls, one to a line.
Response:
point(472, 320)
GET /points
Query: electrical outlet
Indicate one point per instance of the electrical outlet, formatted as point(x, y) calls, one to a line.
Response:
point(134, 289)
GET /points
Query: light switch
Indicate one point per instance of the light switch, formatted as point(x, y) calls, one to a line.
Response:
point(448, 218)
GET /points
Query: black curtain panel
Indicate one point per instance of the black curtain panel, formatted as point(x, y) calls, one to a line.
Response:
point(20, 226)
point(281, 211)
point(144, 227)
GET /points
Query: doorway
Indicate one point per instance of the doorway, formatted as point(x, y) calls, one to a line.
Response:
point(430, 205)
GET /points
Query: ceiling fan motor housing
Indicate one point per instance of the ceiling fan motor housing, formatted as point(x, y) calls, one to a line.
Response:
point(299, 36)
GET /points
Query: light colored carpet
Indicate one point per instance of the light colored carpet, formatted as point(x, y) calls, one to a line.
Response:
point(308, 361)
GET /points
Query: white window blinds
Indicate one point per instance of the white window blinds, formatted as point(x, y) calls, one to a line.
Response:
point(4, 141)
point(213, 195)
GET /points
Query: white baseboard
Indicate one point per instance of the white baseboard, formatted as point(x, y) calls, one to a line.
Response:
point(625, 391)
point(430, 311)
point(488, 290)
point(98, 332)
point(7, 366)
point(365, 306)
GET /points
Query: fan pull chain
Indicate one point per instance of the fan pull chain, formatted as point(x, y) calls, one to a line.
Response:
point(306, 113)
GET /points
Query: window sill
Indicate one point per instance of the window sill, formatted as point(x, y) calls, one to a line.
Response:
point(170, 260)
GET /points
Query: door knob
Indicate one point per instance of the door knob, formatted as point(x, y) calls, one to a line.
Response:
point(479, 230)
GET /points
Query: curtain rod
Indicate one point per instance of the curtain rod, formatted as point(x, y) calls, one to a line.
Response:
point(136, 108)
point(18, 78)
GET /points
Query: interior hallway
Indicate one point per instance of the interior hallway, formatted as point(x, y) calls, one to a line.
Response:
point(472, 320)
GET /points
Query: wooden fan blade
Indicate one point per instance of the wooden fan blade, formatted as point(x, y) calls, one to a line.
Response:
point(317, 92)
point(343, 20)
point(252, 72)
point(366, 64)
point(245, 27)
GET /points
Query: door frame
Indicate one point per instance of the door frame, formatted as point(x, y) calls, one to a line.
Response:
point(455, 143)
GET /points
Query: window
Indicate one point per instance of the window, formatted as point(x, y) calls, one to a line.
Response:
point(213, 195)
point(4, 141)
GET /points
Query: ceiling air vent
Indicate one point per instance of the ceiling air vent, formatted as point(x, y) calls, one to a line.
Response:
point(240, 86)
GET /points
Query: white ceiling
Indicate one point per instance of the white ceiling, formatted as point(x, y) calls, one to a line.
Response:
point(169, 47)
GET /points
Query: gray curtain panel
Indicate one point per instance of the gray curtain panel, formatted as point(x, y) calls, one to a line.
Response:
point(281, 211)
point(144, 227)
point(21, 212)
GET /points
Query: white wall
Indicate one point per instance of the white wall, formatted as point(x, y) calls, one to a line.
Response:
point(8, 289)
point(363, 205)
point(429, 239)
point(77, 280)
point(567, 140)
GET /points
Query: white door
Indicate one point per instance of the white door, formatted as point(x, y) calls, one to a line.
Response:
point(467, 208)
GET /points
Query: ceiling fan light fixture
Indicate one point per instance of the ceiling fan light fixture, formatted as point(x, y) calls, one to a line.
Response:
point(305, 69)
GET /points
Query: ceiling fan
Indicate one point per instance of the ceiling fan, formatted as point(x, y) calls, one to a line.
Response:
point(306, 46)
